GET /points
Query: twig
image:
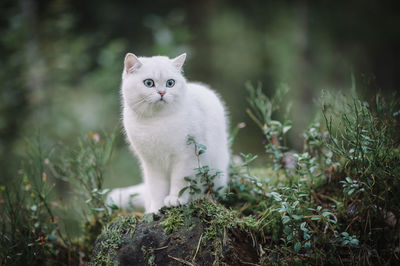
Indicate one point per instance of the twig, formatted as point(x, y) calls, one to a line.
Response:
point(197, 249)
point(253, 117)
point(244, 207)
point(352, 221)
point(329, 198)
point(155, 249)
point(248, 263)
point(182, 261)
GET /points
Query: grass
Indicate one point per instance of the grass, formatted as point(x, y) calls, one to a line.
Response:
point(336, 202)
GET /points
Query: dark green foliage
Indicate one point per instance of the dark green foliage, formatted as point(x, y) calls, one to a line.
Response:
point(366, 140)
point(30, 230)
point(339, 203)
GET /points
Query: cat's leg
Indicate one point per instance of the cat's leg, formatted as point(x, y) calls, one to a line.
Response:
point(157, 185)
point(128, 197)
point(185, 168)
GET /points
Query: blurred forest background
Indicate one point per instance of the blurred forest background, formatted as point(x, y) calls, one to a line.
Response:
point(61, 62)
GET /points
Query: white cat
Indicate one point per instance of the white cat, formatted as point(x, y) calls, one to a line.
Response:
point(160, 111)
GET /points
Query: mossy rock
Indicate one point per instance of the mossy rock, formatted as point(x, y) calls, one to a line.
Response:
point(201, 233)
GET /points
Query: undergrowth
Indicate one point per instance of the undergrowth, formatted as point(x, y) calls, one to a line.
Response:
point(338, 201)
point(335, 202)
point(33, 208)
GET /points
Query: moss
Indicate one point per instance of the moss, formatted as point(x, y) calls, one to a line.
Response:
point(214, 234)
point(173, 221)
point(148, 254)
point(111, 239)
point(222, 225)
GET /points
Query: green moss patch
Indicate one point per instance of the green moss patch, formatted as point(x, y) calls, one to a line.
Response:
point(111, 239)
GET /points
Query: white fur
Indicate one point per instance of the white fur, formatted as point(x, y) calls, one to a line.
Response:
point(157, 131)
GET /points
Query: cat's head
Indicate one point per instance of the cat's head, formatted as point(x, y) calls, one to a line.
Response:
point(151, 84)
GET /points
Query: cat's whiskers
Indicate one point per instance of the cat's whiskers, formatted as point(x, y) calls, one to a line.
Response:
point(137, 106)
point(140, 111)
point(152, 106)
point(145, 98)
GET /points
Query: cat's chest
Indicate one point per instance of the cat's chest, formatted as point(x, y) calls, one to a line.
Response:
point(157, 137)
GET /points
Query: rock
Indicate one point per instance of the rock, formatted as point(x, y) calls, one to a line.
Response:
point(201, 233)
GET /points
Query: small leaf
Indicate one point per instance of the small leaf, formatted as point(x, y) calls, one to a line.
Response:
point(182, 191)
point(297, 247)
point(104, 191)
point(325, 214)
point(312, 169)
point(285, 219)
point(332, 221)
point(196, 189)
point(276, 196)
point(286, 230)
point(97, 209)
point(112, 206)
point(52, 237)
point(345, 234)
point(297, 217)
point(303, 226)
point(201, 147)
point(286, 129)
point(354, 242)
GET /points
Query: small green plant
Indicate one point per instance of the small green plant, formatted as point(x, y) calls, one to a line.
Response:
point(346, 240)
point(204, 175)
point(366, 137)
point(351, 187)
point(261, 112)
point(308, 167)
point(84, 169)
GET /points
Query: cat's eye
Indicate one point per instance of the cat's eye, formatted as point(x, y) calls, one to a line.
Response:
point(148, 83)
point(170, 83)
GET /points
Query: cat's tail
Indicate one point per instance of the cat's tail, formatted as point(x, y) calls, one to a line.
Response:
point(128, 197)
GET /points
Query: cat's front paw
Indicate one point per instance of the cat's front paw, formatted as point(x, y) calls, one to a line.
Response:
point(171, 201)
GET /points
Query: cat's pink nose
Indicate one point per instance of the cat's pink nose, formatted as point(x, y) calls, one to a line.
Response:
point(162, 93)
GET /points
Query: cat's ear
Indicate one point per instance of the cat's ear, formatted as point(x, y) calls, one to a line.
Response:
point(131, 63)
point(178, 61)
